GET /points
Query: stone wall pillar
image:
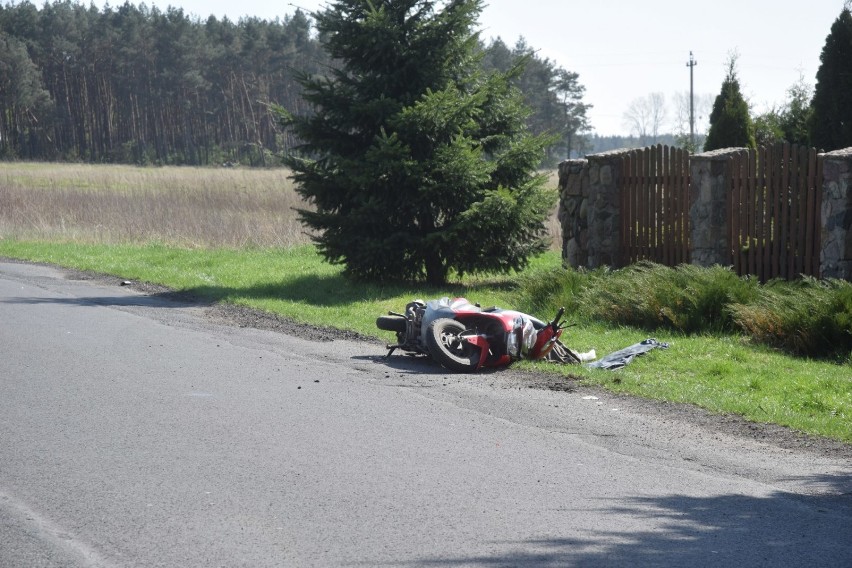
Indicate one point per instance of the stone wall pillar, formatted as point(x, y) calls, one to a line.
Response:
point(604, 210)
point(708, 209)
point(573, 196)
point(590, 210)
point(835, 259)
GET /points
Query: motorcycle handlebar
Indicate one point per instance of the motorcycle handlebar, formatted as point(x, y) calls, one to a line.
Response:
point(559, 315)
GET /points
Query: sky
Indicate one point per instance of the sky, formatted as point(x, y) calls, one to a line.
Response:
point(624, 50)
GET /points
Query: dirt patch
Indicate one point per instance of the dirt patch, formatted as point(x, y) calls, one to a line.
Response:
point(243, 316)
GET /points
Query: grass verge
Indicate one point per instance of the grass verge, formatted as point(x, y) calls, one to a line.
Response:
point(724, 373)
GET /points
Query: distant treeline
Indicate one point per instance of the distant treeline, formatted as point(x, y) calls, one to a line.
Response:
point(595, 144)
point(134, 84)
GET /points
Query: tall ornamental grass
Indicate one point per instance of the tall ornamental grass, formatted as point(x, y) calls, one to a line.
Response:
point(806, 317)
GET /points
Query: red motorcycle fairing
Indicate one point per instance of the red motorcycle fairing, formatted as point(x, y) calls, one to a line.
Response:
point(544, 342)
point(489, 330)
point(483, 345)
point(500, 335)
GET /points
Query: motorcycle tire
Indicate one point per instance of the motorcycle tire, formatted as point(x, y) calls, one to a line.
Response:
point(442, 339)
point(391, 323)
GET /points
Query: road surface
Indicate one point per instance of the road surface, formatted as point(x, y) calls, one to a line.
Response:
point(136, 430)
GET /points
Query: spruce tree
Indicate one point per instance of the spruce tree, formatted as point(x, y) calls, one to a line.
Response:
point(830, 124)
point(797, 112)
point(416, 163)
point(730, 123)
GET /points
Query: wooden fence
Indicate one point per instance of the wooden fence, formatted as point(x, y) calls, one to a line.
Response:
point(655, 205)
point(773, 214)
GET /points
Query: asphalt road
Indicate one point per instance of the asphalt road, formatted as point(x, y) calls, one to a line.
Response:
point(136, 431)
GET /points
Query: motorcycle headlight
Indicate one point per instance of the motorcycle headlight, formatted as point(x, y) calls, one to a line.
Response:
point(529, 336)
point(514, 338)
point(513, 346)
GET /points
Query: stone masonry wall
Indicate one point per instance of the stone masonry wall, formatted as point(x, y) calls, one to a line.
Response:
point(589, 211)
point(573, 204)
point(708, 198)
point(604, 209)
point(836, 211)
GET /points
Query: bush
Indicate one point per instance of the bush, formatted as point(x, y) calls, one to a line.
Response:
point(545, 291)
point(688, 299)
point(807, 317)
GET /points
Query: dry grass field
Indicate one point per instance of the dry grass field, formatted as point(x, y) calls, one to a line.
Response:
point(183, 206)
point(192, 207)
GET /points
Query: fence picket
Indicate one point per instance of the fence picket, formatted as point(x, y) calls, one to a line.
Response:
point(797, 215)
point(648, 219)
point(659, 221)
point(624, 197)
point(760, 189)
point(665, 206)
point(809, 267)
point(731, 182)
point(779, 190)
point(683, 191)
point(754, 184)
point(635, 199)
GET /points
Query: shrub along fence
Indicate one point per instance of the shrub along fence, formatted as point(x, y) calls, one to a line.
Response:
point(772, 212)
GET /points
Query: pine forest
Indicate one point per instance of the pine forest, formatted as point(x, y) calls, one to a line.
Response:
point(133, 84)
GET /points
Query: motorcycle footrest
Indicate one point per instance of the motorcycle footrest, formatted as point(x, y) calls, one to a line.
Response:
point(391, 349)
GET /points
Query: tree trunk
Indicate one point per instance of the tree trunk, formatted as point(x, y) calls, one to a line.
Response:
point(436, 269)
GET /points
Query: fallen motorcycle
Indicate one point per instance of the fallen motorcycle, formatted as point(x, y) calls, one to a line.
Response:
point(465, 337)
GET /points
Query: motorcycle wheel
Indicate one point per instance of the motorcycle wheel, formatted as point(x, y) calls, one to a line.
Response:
point(446, 348)
point(391, 323)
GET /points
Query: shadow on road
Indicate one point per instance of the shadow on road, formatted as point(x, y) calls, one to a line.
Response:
point(782, 529)
point(315, 290)
point(417, 364)
point(409, 364)
point(330, 291)
point(159, 300)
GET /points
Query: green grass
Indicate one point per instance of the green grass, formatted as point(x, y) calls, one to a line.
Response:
point(726, 374)
point(723, 372)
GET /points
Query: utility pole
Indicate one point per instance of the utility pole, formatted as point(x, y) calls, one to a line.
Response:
point(691, 63)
